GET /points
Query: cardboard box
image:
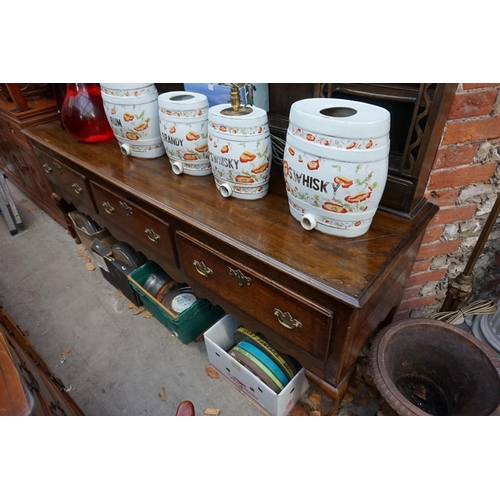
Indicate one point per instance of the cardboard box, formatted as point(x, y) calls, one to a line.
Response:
point(87, 238)
point(218, 339)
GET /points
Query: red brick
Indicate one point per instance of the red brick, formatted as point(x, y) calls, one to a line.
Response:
point(411, 293)
point(433, 234)
point(443, 197)
point(471, 130)
point(455, 156)
point(453, 214)
point(469, 86)
point(473, 104)
point(400, 316)
point(421, 265)
point(417, 302)
point(426, 277)
point(440, 248)
point(461, 176)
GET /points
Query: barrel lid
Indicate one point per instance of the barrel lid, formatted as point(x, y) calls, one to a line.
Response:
point(340, 118)
point(125, 86)
point(258, 116)
point(181, 100)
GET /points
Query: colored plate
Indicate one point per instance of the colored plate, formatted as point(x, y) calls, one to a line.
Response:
point(282, 360)
point(257, 368)
point(266, 360)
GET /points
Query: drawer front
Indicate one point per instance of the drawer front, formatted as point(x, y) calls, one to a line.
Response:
point(150, 231)
point(295, 318)
point(8, 163)
point(24, 162)
point(70, 185)
point(15, 131)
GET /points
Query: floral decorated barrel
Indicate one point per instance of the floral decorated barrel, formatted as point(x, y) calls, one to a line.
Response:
point(132, 112)
point(336, 163)
point(240, 151)
point(184, 131)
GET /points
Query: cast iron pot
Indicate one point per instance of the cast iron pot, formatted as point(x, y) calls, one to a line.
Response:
point(428, 367)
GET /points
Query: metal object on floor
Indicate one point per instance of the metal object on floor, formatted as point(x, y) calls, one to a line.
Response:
point(462, 287)
point(8, 208)
point(427, 367)
point(487, 329)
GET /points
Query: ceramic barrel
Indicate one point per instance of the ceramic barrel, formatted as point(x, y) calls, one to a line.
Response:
point(336, 163)
point(184, 131)
point(132, 112)
point(240, 152)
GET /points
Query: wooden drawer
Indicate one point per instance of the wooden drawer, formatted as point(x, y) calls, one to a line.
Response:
point(295, 318)
point(148, 230)
point(14, 130)
point(25, 163)
point(66, 182)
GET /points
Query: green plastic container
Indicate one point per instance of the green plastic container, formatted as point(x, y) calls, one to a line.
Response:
point(189, 323)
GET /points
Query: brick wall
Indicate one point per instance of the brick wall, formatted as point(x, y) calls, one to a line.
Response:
point(464, 182)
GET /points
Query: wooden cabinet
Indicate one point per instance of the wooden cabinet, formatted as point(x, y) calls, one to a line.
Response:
point(150, 234)
point(305, 324)
point(66, 182)
point(17, 160)
point(314, 296)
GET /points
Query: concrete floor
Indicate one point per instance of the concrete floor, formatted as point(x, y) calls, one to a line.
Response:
point(118, 362)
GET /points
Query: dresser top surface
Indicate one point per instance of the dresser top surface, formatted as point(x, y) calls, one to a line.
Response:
point(264, 229)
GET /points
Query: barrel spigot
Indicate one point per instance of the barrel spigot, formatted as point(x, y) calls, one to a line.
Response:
point(236, 108)
point(234, 97)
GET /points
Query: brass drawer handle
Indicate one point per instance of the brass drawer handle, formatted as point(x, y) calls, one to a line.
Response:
point(239, 277)
point(286, 319)
point(202, 268)
point(127, 208)
point(47, 168)
point(155, 238)
point(77, 188)
point(59, 168)
point(108, 208)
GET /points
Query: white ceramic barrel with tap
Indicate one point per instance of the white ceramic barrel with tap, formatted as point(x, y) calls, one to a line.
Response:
point(240, 152)
point(132, 112)
point(184, 131)
point(335, 164)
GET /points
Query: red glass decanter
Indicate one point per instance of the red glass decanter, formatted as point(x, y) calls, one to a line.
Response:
point(83, 115)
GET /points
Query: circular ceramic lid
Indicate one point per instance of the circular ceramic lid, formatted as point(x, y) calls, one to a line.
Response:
point(341, 118)
point(182, 100)
point(257, 117)
point(125, 86)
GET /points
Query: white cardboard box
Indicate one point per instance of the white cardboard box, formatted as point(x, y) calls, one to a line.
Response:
point(218, 338)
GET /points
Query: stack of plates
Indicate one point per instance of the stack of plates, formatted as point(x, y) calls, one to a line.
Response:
point(257, 355)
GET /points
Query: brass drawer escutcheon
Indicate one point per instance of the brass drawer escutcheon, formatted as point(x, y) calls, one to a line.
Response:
point(77, 188)
point(239, 277)
point(108, 208)
point(47, 168)
point(155, 238)
point(127, 208)
point(286, 319)
point(202, 268)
